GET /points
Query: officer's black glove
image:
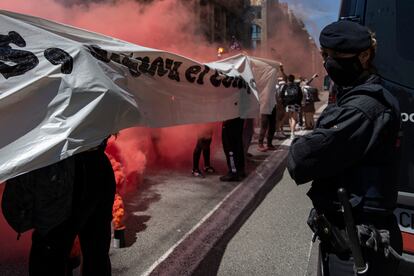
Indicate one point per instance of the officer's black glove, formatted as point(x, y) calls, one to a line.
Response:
point(377, 240)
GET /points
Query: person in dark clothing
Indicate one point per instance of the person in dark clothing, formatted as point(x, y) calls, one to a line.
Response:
point(354, 146)
point(267, 126)
point(90, 218)
point(232, 138)
point(248, 131)
point(203, 146)
point(73, 197)
point(292, 99)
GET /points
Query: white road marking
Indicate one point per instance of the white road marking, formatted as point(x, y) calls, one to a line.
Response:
point(169, 251)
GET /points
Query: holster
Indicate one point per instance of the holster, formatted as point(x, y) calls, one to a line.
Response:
point(328, 233)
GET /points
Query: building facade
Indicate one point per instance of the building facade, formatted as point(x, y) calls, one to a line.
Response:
point(276, 33)
point(223, 21)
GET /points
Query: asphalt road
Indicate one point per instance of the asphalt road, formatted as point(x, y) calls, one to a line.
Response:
point(170, 204)
point(275, 240)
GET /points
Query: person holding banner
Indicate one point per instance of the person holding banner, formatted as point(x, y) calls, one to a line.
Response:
point(232, 138)
point(205, 137)
point(73, 197)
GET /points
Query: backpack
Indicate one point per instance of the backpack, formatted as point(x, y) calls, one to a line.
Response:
point(39, 199)
point(290, 94)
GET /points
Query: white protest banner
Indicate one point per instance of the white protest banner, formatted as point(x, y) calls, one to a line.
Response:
point(63, 90)
point(264, 72)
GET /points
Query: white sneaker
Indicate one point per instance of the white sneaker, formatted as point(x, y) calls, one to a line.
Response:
point(292, 136)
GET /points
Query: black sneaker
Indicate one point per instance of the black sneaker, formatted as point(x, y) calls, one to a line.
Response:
point(271, 147)
point(197, 173)
point(230, 177)
point(209, 170)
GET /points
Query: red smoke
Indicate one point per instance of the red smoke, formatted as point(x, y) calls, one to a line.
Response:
point(166, 25)
point(138, 148)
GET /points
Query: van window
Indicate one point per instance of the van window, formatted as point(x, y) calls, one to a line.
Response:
point(405, 23)
point(347, 7)
point(393, 22)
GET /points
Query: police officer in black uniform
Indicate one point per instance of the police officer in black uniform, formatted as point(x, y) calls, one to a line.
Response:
point(354, 146)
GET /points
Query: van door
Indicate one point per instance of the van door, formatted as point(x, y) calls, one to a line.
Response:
point(393, 23)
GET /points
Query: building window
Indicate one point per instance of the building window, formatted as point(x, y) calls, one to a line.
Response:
point(256, 32)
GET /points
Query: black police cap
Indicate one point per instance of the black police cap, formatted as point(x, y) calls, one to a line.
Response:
point(345, 37)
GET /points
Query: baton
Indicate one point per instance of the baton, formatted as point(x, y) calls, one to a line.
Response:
point(361, 267)
point(312, 78)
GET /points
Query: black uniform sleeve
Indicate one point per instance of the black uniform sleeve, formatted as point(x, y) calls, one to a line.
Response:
point(340, 140)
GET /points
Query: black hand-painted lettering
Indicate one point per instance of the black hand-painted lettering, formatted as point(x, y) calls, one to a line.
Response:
point(235, 82)
point(145, 64)
point(227, 81)
point(215, 79)
point(115, 57)
point(200, 79)
point(174, 73)
point(23, 61)
point(242, 84)
point(99, 53)
point(193, 70)
point(57, 56)
point(132, 66)
point(157, 66)
point(16, 39)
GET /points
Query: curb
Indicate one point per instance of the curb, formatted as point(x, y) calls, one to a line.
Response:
point(200, 253)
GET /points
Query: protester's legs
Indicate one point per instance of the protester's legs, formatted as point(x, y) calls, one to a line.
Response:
point(95, 232)
point(232, 137)
point(272, 127)
point(197, 154)
point(280, 117)
point(49, 253)
point(300, 118)
point(292, 121)
point(264, 125)
point(95, 239)
point(309, 122)
point(238, 140)
point(205, 143)
point(248, 131)
point(226, 139)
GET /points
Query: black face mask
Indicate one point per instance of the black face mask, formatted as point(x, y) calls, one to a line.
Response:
point(343, 71)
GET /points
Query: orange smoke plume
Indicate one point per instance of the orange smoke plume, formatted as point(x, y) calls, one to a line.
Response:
point(118, 172)
point(118, 212)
